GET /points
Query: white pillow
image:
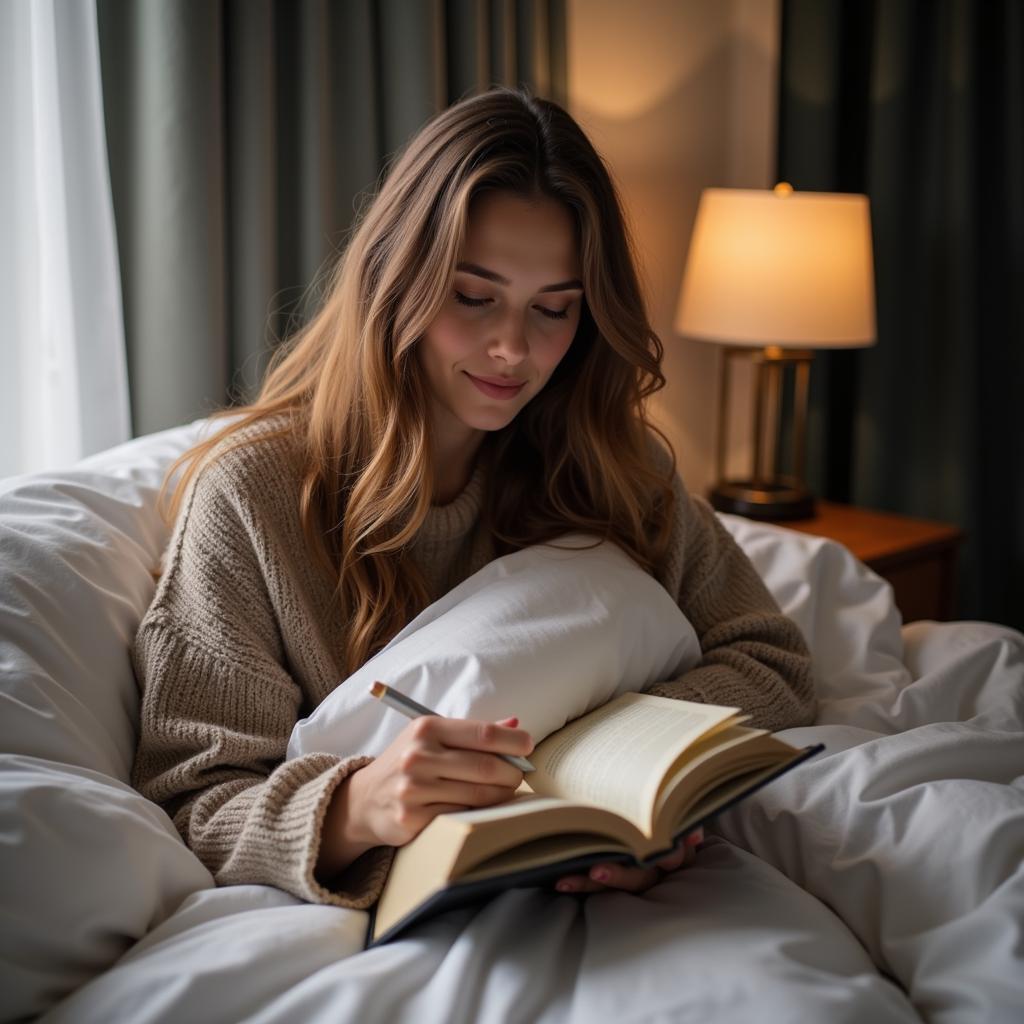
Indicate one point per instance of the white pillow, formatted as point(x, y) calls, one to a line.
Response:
point(544, 634)
point(845, 611)
point(87, 867)
point(76, 553)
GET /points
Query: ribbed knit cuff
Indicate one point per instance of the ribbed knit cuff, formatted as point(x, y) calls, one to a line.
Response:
point(359, 885)
point(275, 839)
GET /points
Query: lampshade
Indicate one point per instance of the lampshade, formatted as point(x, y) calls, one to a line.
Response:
point(785, 268)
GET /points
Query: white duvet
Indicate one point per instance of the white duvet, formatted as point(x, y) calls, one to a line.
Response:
point(881, 881)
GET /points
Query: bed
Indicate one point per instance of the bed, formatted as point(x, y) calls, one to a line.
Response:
point(880, 881)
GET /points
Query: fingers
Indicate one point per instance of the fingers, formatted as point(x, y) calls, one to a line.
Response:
point(684, 854)
point(676, 859)
point(631, 878)
point(610, 876)
point(435, 766)
point(467, 734)
point(426, 762)
point(695, 838)
point(431, 792)
point(463, 750)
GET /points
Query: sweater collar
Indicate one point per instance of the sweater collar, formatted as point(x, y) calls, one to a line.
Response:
point(456, 518)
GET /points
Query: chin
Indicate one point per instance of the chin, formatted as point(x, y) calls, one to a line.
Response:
point(489, 421)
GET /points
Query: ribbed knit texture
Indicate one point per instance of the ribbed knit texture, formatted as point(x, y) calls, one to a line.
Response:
point(240, 642)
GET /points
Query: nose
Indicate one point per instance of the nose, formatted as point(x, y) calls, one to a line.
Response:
point(509, 343)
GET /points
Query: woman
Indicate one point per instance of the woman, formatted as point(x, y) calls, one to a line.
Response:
point(474, 383)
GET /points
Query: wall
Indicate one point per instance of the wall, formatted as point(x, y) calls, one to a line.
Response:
point(677, 95)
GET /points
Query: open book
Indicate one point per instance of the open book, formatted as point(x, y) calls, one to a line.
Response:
point(624, 782)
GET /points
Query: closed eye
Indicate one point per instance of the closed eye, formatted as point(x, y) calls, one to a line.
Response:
point(552, 314)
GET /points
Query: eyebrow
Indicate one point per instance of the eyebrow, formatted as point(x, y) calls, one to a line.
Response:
point(489, 275)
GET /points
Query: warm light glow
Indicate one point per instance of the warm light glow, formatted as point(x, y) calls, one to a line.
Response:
point(781, 268)
point(632, 65)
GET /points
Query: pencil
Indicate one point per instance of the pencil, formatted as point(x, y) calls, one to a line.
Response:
point(411, 709)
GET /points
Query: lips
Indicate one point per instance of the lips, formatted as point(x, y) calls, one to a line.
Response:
point(496, 387)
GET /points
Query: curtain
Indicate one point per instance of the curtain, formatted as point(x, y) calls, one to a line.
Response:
point(243, 135)
point(63, 385)
point(921, 106)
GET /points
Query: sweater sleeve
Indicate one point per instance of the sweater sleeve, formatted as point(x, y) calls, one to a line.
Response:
point(752, 656)
point(217, 709)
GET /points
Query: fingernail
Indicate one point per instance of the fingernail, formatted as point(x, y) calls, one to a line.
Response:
point(564, 887)
point(600, 874)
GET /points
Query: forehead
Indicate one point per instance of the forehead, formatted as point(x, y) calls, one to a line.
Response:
point(521, 237)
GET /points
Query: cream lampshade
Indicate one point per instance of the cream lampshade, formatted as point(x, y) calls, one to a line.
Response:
point(772, 275)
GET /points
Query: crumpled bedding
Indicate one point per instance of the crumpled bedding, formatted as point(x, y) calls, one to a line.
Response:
point(880, 881)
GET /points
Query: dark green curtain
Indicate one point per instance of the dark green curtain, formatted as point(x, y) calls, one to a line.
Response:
point(921, 106)
point(242, 135)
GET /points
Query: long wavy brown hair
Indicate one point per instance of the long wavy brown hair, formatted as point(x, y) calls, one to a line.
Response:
point(577, 458)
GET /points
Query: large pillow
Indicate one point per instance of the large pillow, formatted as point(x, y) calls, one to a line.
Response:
point(87, 867)
point(77, 551)
point(545, 634)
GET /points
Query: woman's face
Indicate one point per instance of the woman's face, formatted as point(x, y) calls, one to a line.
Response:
point(511, 315)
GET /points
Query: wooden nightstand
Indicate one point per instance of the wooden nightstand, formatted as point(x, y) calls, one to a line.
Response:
point(916, 556)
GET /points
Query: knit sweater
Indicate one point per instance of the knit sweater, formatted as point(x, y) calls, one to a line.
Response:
point(242, 640)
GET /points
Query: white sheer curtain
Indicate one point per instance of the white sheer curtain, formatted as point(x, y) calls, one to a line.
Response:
point(63, 375)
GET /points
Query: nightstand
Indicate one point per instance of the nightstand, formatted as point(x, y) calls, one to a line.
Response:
point(917, 556)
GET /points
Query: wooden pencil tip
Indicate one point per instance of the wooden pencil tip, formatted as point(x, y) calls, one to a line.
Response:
point(378, 689)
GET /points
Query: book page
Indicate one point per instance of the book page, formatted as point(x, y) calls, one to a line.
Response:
point(616, 756)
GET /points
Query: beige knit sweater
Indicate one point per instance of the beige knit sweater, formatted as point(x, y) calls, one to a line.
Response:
point(239, 643)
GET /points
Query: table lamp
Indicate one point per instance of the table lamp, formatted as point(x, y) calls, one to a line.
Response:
point(773, 274)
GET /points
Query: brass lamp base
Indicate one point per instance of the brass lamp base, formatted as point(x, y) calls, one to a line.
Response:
point(768, 493)
point(780, 499)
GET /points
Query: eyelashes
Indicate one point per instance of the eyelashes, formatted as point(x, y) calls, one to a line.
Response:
point(551, 314)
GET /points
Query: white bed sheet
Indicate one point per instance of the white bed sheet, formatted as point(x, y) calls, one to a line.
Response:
point(881, 881)
point(728, 940)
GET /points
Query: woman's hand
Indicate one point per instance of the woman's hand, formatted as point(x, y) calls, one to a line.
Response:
point(633, 879)
point(434, 765)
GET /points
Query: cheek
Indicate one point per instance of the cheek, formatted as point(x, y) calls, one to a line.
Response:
point(448, 340)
